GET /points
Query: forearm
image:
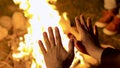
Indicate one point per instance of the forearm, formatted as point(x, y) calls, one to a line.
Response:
point(94, 51)
point(55, 66)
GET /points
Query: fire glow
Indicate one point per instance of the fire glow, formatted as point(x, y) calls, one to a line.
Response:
point(41, 15)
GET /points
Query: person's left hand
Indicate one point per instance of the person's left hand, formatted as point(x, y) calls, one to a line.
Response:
point(54, 54)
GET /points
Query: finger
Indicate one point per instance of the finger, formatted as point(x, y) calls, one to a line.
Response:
point(71, 50)
point(58, 37)
point(89, 25)
point(81, 47)
point(83, 22)
point(71, 46)
point(47, 43)
point(78, 24)
point(42, 47)
point(96, 35)
point(95, 30)
point(51, 36)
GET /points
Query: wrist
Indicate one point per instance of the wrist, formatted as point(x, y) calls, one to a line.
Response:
point(55, 66)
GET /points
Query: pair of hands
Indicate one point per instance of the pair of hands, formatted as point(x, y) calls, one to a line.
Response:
point(56, 56)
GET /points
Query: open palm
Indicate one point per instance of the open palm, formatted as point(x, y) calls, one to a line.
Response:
point(55, 55)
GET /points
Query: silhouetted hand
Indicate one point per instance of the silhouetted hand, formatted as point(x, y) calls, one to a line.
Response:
point(54, 54)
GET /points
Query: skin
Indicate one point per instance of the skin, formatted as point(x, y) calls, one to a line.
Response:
point(55, 55)
point(89, 42)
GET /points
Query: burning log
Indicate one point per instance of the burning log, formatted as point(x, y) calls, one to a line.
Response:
point(17, 26)
point(3, 33)
point(6, 22)
point(13, 43)
point(5, 26)
point(4, 64)
point(19, 23)
point(22, 64)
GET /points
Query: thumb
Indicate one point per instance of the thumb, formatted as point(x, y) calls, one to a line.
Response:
point(81, 47)
point(95, 30)
point(70, 56)
point(71, 47)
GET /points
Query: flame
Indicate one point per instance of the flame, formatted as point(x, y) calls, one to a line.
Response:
point(41, 15)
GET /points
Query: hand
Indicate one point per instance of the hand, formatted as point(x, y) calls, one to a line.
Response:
point(87, 32)
point(55, 55)
point(89, 37)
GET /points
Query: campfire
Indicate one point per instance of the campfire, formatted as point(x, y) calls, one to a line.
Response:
point(35, 18)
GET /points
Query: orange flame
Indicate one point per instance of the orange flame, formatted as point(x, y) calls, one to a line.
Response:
point(41, 15)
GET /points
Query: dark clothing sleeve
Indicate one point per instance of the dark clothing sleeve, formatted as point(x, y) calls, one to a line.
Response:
point(110, 58)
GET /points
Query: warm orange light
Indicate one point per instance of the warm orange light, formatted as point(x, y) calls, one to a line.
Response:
point(41, 15)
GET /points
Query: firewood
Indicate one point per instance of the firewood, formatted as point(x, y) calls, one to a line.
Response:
point(19, 23)
point(6, 22)
point(22, 63)
point(3, 33)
